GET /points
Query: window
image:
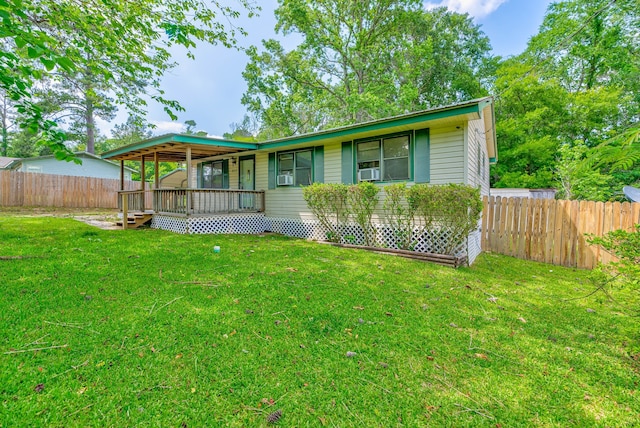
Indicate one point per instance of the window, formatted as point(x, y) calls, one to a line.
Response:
point(213, 175)
point(384, 159)
point(294, 168)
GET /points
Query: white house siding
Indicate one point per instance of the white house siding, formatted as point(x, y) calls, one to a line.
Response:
point(477, 158)
point(447, 155)
point(333, 163)
point(262, 171)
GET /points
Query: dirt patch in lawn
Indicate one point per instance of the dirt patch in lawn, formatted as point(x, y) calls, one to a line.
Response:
point(102, 218)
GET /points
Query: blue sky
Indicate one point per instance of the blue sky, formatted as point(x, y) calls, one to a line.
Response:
point(210, 87)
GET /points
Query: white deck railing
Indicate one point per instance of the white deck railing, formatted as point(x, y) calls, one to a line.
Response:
point(207, 201)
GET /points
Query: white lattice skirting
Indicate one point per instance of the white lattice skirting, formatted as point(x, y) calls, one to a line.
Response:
point(231, 223)
point(433, 241)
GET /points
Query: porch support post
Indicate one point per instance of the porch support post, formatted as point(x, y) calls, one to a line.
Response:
point(188, 166)
point(156, 178)
point(142, 181)
point(142, 173)
point(122, 175)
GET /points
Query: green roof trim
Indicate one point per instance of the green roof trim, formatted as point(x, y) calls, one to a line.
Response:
point(475, 106)
point(180, 138)
point(379, 125)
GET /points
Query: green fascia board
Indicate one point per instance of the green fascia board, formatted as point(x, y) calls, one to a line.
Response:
point(373, 126)
point(179, 138)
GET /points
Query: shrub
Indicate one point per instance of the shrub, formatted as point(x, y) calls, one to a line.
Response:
point(453, 209)
point(363, 199)
point(625, 246)
point(399, 215)
point(328, 202)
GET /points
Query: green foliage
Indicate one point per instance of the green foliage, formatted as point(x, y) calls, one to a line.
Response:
point(398, 215)
point(343, 71)
point(452, 209)
point(116, 43)
point(329, 203)
point(578, 179)
point(363, 199)
point(217, 338)
point(625, 272)
point(576, 83)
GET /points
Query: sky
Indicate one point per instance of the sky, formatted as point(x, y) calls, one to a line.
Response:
point(211, 86)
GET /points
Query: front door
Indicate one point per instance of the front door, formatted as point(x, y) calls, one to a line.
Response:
point(247, 179)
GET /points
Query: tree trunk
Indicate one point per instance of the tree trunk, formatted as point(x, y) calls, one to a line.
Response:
point(90, 122)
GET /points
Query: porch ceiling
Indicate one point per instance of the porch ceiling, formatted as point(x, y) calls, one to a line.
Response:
point(176, 152)
point(173, 148)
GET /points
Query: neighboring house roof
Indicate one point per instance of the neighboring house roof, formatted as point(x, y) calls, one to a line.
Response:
point(172, 147)
point(175, 171)
point(5, 162)
point(16, 162)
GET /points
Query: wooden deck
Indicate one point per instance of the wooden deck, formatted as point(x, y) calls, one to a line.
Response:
point(187, 203)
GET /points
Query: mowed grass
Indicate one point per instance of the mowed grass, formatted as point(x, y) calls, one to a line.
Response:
point(146, 327)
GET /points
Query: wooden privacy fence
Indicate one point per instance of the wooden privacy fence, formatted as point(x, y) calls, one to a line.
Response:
point(27, 189)
point(553, 231)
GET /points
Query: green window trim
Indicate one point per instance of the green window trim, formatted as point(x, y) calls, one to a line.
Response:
point(419, 157)
point(213, 174)
point(373, 159)
point(294, 168)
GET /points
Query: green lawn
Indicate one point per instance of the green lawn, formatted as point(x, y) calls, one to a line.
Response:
point(146, 327)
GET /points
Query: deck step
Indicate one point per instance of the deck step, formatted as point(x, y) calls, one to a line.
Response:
point(135, 220)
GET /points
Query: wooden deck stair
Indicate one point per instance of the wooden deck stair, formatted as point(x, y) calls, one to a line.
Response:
point(135, 220)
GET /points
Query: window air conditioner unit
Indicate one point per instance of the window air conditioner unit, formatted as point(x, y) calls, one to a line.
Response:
point(369, 174)
point(285, 180)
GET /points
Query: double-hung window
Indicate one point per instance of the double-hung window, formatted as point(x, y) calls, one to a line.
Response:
point(383, 159)
point(213, 175)
point(295, 168)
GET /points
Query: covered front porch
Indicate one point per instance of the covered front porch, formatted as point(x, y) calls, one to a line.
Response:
point(200, 197)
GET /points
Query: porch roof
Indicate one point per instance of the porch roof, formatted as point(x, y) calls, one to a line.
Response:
point(172, 147)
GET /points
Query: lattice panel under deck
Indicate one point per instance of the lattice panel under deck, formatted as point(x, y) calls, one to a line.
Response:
point(238, 223)
point(172, 224)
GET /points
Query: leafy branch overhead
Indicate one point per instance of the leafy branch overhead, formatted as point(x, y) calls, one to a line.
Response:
point(125, 47)
point(363, 60)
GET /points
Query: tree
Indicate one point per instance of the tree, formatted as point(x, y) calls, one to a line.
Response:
point(360, 61)
point(574, 88)
point(133, 131)
point(124, 45)
point(191, 129)
point(77, 99)
point(244, 131)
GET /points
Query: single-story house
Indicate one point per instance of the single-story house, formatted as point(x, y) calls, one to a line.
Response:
point(92, 166)
point(247, 187)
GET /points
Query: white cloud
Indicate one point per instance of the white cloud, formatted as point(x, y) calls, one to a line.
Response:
point(167, 127)
point(476, 8)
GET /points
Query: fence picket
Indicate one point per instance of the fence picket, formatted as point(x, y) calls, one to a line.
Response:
point(46, 190)
point(553, 231)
